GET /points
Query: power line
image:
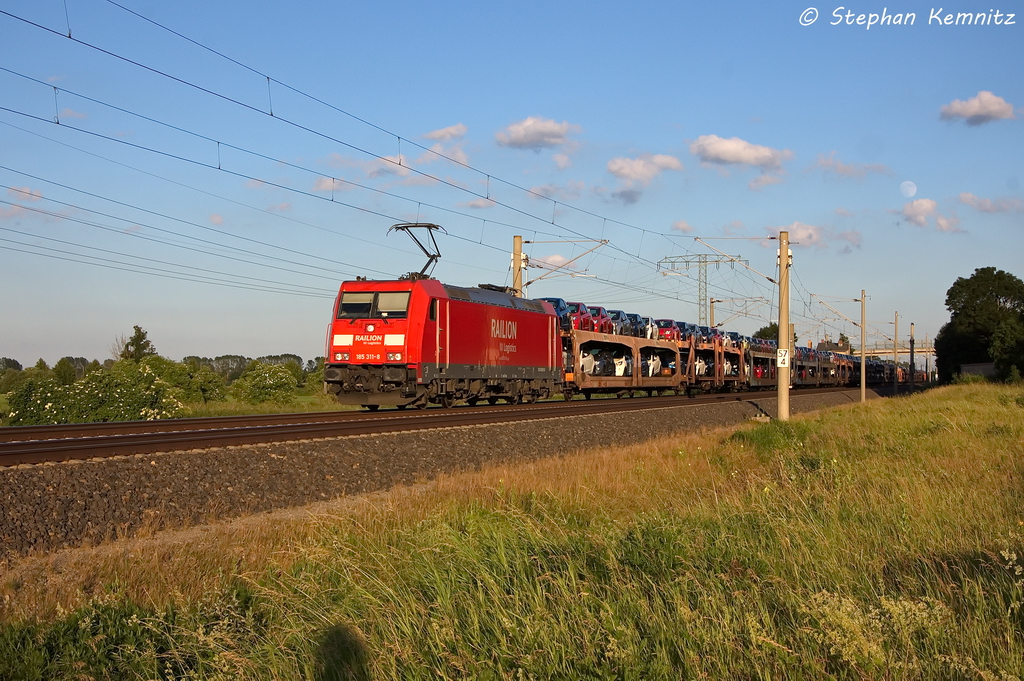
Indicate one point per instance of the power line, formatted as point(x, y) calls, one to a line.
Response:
point(137, 269)
point(317, 133)
point(379, 128)
point(92, 224)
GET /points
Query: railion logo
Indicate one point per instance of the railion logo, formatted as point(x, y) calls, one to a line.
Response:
point(501, 328)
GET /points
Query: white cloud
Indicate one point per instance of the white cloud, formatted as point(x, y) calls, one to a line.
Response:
point(24, 194)
point(852, 237)
point(569, 191)
point(452, 132)
point(71, 113)
point(982, 108)
point(329, 184)
point(682, 226)
point(734, 227)
point(10, 212)
point(990, 206)
point(918, 211)
point(536, 133)
point(419, 180)
point(478, 203)
point(549, 262)
point(830, 164)
point(217, 219)
point(842, 211)
point(562, 161)
point(801, 234)
point(950, 224)
point(764, 180)
point(715, 149)
point(438, 150)
point(279, 207)
point(254, 184)
point(643, 169)
point(387, 165)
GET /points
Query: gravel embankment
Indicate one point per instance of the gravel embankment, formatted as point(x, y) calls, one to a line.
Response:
point(46, 507)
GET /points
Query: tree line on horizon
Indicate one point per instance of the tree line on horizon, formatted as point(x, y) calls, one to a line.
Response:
point(137, 383)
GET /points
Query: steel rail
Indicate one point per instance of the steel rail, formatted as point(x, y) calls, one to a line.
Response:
point(61, 443)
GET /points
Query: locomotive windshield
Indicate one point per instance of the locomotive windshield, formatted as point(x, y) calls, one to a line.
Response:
point(374, 305)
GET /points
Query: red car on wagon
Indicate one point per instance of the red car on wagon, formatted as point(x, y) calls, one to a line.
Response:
point(602, 322)
point(582, 320)
point(667, 329)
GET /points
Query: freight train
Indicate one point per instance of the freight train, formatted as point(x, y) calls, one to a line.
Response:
point(417, 341)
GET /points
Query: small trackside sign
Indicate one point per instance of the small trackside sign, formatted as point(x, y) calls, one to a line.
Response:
point(782, 358)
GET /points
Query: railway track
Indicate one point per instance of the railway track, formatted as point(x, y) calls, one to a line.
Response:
point(40, 444)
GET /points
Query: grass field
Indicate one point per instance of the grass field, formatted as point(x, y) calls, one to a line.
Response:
point(875, 541)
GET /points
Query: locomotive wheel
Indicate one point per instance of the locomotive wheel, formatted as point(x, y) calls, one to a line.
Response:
point(586, 395)
point(446, 400)
point(567, 396)
point(492, 401)
point(422, 404)
point(401, 407)
point(371, 407)
point(471, 401)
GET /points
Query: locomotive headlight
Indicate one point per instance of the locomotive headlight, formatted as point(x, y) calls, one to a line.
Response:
point(394, 357)
point(341, 356)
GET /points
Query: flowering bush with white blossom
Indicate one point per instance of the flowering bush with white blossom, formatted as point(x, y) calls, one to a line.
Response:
point(264, 382)
point(127, 391)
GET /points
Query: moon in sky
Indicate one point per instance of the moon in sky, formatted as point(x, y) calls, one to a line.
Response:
point(908, 189)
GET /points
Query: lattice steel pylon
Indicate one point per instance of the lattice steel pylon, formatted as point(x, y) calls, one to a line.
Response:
point(700, 260)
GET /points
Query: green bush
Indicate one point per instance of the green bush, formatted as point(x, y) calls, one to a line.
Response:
point(125, 392)
point(968, 379)
point(263, 382)
point(193, 383)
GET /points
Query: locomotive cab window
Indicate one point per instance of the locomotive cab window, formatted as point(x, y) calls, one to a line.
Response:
point(374, 305)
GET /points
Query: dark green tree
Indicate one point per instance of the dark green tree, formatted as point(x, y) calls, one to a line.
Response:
point(987, 301)
point(42, 365)
point(8, 363)
point(1007, 349)
point(92, 366)
point(295, 369)
point(138, 346)
point(65, 371)
point(771, 332)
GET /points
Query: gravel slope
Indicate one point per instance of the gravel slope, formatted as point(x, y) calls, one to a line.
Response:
point(52, 506)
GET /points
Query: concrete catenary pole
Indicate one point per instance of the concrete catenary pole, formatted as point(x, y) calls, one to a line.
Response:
point(517, 265)
point(911, 356)
point(896, 354)
point(863, 347)
point(782, 373)
point(927, 362)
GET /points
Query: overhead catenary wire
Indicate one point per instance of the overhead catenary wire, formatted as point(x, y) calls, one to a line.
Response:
point(219, 165)
point(631, 258)
point(296, 125)
point(379, 128)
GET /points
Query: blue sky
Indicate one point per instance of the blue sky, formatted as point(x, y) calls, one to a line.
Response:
point(169, 197)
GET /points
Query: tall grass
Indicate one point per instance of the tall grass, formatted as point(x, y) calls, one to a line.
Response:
point(877, 541)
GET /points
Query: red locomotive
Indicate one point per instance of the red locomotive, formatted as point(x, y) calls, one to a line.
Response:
point(418, 341)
